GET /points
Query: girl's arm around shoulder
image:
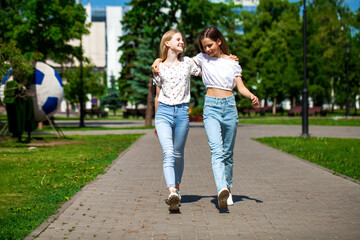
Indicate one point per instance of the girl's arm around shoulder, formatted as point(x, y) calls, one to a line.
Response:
point(194, 68)
point(155, 66)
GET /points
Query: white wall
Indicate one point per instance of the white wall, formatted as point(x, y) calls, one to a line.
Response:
point(94, 44)
point(114, 31)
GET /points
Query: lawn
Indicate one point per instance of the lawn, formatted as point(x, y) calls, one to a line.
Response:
point(36, 180)
point(313, 121)
point(91, 128)
point(337, 154)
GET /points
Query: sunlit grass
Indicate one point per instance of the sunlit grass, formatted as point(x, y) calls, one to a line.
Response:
point(337, 154)
point(36, 180)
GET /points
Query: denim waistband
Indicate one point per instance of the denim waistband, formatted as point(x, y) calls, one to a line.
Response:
point(230, 98)
point(176, 105)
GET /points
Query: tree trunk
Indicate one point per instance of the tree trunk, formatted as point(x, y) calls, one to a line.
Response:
point(332, 95)
point(149, 105)
point(274, 106)
point(355, 113)
point(294, 102)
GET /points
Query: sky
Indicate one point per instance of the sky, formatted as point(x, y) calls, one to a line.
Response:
point(353, 4)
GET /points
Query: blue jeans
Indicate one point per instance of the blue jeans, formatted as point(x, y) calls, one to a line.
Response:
point(172, 126)
point(220, 120)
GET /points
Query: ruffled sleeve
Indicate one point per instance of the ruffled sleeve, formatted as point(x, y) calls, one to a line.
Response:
point(194, 68)
point(199, 58)
point(237, 70)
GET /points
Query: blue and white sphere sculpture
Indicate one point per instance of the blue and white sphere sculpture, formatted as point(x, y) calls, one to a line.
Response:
point(7, 78)
point(47, 90)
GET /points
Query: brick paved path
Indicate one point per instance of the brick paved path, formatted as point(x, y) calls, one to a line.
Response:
point(276, 195)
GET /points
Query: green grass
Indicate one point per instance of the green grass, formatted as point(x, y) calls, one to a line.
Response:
point(313, 121)
point(73, 128)
point(339, 155)
point(35, 181)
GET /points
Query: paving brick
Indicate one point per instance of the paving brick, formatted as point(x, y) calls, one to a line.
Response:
point(276, 195)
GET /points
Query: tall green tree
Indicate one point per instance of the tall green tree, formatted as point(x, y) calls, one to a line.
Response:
point(112, 98)
point(354, 61)
point(328, 33)
point(272, 44)
point(142, 72)
point(92, 83)
point(44, 27)
point(146, 20)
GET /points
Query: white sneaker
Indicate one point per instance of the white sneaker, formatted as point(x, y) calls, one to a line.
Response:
point(173, 201)
point(178, 192)
point(222, 197)
point(230, 201)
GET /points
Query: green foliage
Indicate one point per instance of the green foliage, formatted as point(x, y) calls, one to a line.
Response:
point(144, 22)
point(21, 65)
point(43, 28)
point(196, 111)
point(36, 181)
point(17, 99)
point(92, 82)
point(272, 37)
point(12, 89)
point(271, 50)
point(339, 155)
point(112, 99)
point(331, 27)
point(142, 72)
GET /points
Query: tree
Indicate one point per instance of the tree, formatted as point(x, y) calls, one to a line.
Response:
point(354, 60)
point(146, 20)
point(271, 44)
point(44, 28)
point(328, 34)
point(112, 99)
point(92, 83)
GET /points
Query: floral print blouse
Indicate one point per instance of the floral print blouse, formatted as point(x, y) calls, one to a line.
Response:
point(175, 81)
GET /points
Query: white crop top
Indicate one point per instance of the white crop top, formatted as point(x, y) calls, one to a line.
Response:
point(175, 81)
point(218, 72)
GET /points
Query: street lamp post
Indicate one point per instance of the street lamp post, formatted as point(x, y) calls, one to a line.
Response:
point(305, 123)
point(81, 97)
point(347, 80)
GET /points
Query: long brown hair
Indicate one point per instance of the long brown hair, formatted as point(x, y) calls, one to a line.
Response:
point(167, 37)
point(214, 34)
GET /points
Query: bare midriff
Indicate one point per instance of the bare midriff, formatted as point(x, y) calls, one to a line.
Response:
point(219, 93)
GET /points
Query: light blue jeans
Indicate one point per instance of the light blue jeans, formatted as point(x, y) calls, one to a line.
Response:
point(172, 126)
point(220, 120)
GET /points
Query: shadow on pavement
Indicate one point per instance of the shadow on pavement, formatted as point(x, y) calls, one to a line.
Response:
point(236, 198)
point(239, 198)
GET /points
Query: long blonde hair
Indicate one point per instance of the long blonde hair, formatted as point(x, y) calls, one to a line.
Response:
point(167, 37)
